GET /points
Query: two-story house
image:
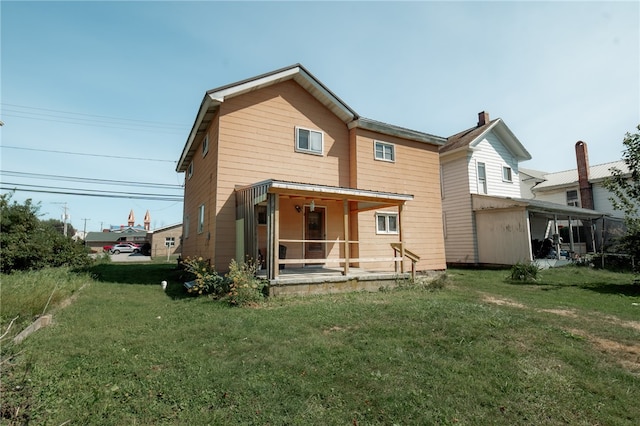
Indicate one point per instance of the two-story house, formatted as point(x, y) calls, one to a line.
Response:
point(486, 219)
point(278, 168)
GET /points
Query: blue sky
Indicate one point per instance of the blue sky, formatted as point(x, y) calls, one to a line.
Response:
point(121, 82)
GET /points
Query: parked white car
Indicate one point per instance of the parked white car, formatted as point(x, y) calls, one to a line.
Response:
point(124, 248)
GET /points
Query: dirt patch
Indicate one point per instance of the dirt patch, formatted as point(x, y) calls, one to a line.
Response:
point(629, 324)
point(503, 302)
point(626, 355)
point(562, 312)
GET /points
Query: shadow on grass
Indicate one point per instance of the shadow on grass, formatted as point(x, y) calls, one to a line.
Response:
point(143, 274)
point(631, 289)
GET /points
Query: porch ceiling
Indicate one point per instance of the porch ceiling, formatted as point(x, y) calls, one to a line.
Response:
point(484, 203)
point(365, 199)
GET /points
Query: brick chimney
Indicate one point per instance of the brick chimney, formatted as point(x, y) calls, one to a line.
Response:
point(483, 118)
point(582, 159)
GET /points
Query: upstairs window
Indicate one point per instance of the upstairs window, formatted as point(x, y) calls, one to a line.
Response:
point(506, 174)
point(572, 198)
point(310, 141)
point(190, 170)
point(186, 226)
point(386, 223)
point(384, 151)
point(482, 178)
point(205, 145)
point(201, 219)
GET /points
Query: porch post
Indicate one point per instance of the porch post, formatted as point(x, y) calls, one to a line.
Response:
point(401, 238)
point(345, 225)
point(276, 235)
point(571, 244)
point(555, 233)
point(272, 236)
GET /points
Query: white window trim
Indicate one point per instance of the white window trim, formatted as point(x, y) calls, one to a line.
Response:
point(309, 151)
point(386, 231)
point(186, 226)
point(482, 181)
point(169, 241)
point(201, 219)
point(190, 170)
point(575, 202)
point(384, 144)
point(505, 168)
point(205, 145)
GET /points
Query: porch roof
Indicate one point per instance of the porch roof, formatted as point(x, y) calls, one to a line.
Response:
point(484, 202)
point(366, 199)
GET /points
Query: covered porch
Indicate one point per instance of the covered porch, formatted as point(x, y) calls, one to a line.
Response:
point(513, 230)
point(309, 234)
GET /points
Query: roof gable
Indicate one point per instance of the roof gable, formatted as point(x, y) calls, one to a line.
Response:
point(467, 139)
point(214, 97)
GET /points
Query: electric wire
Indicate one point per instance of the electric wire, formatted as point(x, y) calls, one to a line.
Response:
point(124, 196)
point(88, 155)
point(89, 180)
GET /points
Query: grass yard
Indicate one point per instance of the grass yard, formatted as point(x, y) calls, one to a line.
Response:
point(565, 350)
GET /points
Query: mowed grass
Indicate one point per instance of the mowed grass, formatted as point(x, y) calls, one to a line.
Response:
point(480, 351)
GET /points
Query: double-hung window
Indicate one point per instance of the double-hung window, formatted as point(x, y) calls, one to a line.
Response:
point(186, 226)
point(201, 219)
point(310, 141)
point(572, 198)
point(384, 151)
point(190, 170)
point(482, 178)
point(205, 145)
point(506, 174)
point(386, 223)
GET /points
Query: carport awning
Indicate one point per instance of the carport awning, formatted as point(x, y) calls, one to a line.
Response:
point(363, 199)
point(484, 202)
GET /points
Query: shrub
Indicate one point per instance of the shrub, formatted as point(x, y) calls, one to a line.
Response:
point(524, 272)
point(244, 287)
point(207, 280)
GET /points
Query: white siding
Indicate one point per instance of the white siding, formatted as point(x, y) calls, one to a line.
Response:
point(495, 155)
point(602, 203)
point(558, 196)
point(457, 214)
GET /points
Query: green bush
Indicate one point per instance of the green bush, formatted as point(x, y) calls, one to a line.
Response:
point(207, 280)
point(524, 272)
point(245, 288)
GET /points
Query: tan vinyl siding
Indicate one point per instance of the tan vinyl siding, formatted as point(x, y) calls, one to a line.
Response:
point(459, 229)
point(415, 171)
point(257, 142)
point(200, 189)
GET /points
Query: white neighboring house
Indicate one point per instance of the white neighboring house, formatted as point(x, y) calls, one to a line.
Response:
point(486, 218)
point(580, 187)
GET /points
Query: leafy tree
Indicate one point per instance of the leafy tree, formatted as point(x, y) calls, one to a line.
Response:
point(29, 243)
point(59, 226)
point(626, 190)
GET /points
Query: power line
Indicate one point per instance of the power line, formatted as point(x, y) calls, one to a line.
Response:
point(89, 190)
point(88, 155)
point(89, 180)
point(125, 196)
point(149, 122)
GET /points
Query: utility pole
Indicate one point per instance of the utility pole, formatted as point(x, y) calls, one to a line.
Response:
point(65, 217)
point(84, 231)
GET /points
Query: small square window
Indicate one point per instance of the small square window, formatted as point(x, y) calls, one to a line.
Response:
point(169, 241)
point(384, 151)
point(386, 223)
point(506, 174)
point(190, 170)
point(201, 219)
point(205, 145)
point(309, 141)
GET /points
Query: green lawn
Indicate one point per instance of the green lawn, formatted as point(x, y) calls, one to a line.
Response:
point(565, 350)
